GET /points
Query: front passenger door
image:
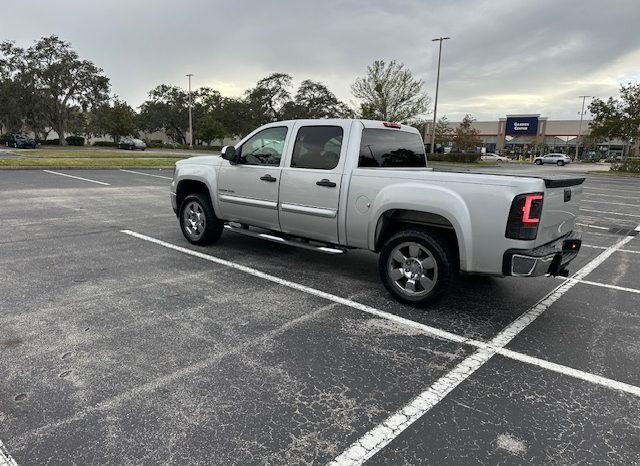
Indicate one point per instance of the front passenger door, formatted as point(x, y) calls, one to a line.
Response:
point(248, 191)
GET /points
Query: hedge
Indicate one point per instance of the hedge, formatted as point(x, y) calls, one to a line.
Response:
point(75, 140)
point(471, 157)
point(49, 142)
point(71, 141)
point(160, 145)
point(631, 165)
point(105, 144)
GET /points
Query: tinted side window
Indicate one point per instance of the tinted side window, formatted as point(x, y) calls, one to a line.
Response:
point(317, 147)
point(391, 148)
point(264, 148)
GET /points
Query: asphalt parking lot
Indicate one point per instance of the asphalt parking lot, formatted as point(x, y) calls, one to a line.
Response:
point(121, 343)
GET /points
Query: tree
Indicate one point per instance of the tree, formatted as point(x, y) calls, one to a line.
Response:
point(617, 118)
point(53, 75)
point(390, 93)
point(79, 122)
point(443, 132)
point(207, 115)
point(315, 100)
point(117, 120)
point(237, 117)
point(12, 113)
point(166, 109)
point(209, 129)
point(269, 97)
point(466, 136)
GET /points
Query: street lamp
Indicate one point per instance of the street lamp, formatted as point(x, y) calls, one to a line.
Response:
point(190, 118)
point(583, 97)
point(435, 103)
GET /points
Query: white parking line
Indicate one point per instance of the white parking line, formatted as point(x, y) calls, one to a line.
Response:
point(609, 203)
point(630, 192)
point(146, 174)
point(606, 285)
point(380, 436)
point(433, 331)
point(5, 457)
point(605, 247)
point(609, 212)
point(426, 329)
point(606, 195)
point(592, 226)
point(77, 177)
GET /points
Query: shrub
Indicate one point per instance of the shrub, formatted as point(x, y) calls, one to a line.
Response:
point(470, 157)
point(75, 140)
point(105, 144)
point(159, 145)
point(630, 165)
point(49, 142)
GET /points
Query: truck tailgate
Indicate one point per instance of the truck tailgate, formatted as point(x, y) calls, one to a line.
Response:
point(560, 208)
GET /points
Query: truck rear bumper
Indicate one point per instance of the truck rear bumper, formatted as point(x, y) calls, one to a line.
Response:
point(549, 259)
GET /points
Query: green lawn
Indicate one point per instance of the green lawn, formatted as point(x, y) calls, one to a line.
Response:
point(94, 153)
point(89, 157)
point(86, 162)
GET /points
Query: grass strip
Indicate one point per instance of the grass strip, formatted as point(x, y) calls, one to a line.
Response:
point(61, 163)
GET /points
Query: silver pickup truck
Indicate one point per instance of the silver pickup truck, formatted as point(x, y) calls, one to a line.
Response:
point(335, 185)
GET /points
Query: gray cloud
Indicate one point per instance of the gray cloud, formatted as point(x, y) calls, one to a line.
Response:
point(505, 56)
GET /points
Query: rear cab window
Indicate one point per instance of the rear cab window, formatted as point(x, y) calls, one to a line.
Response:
point(391, 148)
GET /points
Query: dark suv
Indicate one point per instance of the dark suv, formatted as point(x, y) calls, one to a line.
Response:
point(20, 141)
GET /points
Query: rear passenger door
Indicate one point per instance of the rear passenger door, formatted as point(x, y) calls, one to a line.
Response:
point(311, 180)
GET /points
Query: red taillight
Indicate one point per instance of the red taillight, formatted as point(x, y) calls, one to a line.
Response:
point(524, 216)
point(391, 124)
point(528, 211)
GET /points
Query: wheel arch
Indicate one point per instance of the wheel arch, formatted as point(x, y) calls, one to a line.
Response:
point(189, 186)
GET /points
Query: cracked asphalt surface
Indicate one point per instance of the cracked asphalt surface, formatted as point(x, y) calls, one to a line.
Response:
point(117, 351)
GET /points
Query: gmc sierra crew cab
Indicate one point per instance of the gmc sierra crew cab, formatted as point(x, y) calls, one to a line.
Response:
point(335, 185)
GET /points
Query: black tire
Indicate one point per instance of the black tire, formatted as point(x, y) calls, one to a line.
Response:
point(212, 227)
point(560, 163)
point(443, 276)
point(538, 162)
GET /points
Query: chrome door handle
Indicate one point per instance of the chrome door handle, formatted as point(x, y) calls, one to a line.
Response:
point(268, 178)
point(326, 182)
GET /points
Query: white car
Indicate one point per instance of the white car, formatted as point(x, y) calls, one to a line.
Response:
point(491, 157)
point(558, 159)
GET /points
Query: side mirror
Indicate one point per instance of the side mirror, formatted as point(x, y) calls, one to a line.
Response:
point(229, 153)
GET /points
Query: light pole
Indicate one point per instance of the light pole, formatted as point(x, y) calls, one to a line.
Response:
point(435, 102)
point(584, 97)
point(190, 118)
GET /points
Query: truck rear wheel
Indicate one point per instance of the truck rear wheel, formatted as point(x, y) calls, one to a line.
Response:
point(416, 267)
point(198, 221)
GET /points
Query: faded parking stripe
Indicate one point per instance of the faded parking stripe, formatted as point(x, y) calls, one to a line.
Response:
point(5, 457)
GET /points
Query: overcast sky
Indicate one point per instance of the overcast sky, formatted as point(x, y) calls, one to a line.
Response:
point(504, 56)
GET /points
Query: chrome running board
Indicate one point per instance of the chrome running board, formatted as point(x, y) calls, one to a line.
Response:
point(327, 249)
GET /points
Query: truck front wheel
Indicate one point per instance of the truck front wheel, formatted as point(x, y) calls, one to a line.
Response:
point(416, 267)
point(198, 221)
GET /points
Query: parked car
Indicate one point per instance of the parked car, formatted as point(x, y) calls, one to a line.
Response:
point(491, 157)
point(132, 144)
point(19, 141)
point(336, 185)
point(558, 159)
